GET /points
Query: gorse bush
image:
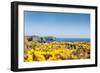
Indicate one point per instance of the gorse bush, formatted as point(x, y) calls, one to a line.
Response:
point(39, 51)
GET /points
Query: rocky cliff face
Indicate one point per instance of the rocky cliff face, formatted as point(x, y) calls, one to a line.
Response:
point(40, 39)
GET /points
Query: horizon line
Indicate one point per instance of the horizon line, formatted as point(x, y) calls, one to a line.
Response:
point(58, 37)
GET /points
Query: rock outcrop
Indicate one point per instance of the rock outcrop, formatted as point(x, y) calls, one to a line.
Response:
point(40, 39)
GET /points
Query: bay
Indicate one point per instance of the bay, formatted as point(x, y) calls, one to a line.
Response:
point(73, 39)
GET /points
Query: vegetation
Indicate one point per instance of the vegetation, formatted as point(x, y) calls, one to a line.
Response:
point(45, 51)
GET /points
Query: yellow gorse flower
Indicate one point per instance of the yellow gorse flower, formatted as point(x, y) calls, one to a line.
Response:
point(56, 51)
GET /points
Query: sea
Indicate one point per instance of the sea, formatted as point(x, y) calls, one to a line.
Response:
point(73, 39)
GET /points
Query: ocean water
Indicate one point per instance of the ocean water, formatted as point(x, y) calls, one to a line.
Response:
point(73, 39)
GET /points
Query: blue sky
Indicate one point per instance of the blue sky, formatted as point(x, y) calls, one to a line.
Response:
point(62, 25)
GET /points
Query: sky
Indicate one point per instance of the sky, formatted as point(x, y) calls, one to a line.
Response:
point(57, 24)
